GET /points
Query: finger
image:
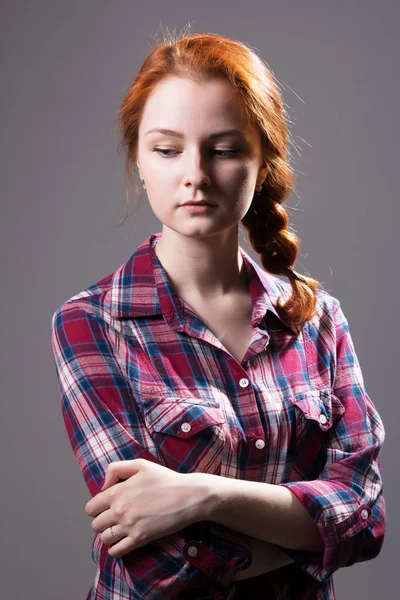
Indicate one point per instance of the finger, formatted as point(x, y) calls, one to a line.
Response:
point(112, 475)
point(122, 546)
point(103, 521)
point(108, 538)
point(109, 480)
point(97, 504)
point(122, 469)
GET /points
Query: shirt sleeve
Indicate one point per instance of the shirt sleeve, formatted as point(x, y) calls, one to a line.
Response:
point(94, 399)
point(346, 501)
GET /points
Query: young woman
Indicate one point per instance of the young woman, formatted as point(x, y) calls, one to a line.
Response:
point(216, 408)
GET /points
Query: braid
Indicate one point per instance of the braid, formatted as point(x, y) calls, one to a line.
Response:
point(203, 57)
point(267, 224)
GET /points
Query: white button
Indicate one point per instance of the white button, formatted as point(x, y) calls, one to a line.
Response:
point(186, 427)
point(322, 419)
point(244, 382)
point(260, 443)
point(192, 551)
point(364, 514)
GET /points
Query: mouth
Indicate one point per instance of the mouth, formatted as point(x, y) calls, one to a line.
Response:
point(197, 204)
point(197, 207)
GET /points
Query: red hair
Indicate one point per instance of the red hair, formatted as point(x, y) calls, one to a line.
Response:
point(201, 57)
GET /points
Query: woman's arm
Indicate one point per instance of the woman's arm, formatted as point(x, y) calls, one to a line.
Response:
point(345, 504)
point(270, 511)
point(102, 426)
point(266, 557)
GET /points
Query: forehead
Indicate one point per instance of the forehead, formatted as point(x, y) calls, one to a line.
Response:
point(180, 103)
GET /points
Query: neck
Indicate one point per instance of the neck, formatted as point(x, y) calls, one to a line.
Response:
point(207, 268)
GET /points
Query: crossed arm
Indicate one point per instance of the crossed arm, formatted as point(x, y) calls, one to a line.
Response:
point(266, 557)
point(270, 512)
point(345, 503)
point(94, 393)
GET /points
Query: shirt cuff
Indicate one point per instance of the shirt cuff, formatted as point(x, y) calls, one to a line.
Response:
point(219, 552)
point(343, 540)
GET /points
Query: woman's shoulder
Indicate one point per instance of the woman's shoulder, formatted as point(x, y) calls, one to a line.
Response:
point(326, 303)
point(110, 297)
point(94, 300)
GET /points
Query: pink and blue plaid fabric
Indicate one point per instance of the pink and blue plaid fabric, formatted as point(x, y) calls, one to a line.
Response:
point(141, 376)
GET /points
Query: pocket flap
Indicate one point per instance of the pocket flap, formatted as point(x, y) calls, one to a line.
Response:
point(321, 406)
point(182, 418)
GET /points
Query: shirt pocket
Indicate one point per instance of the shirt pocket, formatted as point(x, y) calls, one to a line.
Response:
point(316, 414)
point(189, 436)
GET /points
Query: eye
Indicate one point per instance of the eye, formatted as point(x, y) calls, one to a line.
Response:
point(231, 153)
point(161, 150)
point(167, 152)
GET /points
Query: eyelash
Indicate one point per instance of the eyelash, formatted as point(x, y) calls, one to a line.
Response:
point(232, 153)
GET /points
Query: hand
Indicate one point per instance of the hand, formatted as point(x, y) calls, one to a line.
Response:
point(144, 501)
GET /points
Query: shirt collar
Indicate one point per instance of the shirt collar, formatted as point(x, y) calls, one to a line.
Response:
point(141, 288)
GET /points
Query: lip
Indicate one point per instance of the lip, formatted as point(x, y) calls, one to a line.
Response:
point(197, 203)
point(198, 207)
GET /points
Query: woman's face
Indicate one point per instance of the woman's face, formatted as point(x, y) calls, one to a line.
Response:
point(200, 157)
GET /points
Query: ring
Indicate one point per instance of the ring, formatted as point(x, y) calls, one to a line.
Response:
point(113, 534)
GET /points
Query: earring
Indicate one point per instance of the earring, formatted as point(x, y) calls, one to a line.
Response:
point(259, 188)
point(144, 187)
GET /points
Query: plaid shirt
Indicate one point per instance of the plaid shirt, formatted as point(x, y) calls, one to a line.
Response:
point(141, 376)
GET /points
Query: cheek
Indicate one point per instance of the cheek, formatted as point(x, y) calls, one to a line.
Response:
point(162, 189)
point(161, 172)
point(160, 203)
point(240, 176)
point(241, 188)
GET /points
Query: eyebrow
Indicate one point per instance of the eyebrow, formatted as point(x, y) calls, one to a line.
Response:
point(177, 134)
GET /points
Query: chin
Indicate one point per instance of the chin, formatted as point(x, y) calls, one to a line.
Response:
point(199, 230)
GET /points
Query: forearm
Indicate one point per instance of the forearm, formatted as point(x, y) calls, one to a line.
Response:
point(261, 510)
point(266, 557)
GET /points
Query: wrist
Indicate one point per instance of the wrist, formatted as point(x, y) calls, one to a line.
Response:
point(209, 496)
point(266, 557)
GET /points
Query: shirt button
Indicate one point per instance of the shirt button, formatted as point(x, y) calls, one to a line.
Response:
point(192, 551)
point(186, 427)
point(260, 444)
point(364, 514)
point(244, 382)
point(322, 419)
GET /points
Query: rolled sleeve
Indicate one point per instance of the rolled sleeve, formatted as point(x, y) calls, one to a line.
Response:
point(346, 501)
point(220, 553)
point(95, 400)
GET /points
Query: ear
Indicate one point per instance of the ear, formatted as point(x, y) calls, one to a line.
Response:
point(262, 174)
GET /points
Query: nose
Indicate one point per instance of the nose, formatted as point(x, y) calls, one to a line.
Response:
point(196, 175)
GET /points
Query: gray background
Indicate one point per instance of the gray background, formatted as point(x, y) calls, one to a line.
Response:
point(65, 68)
